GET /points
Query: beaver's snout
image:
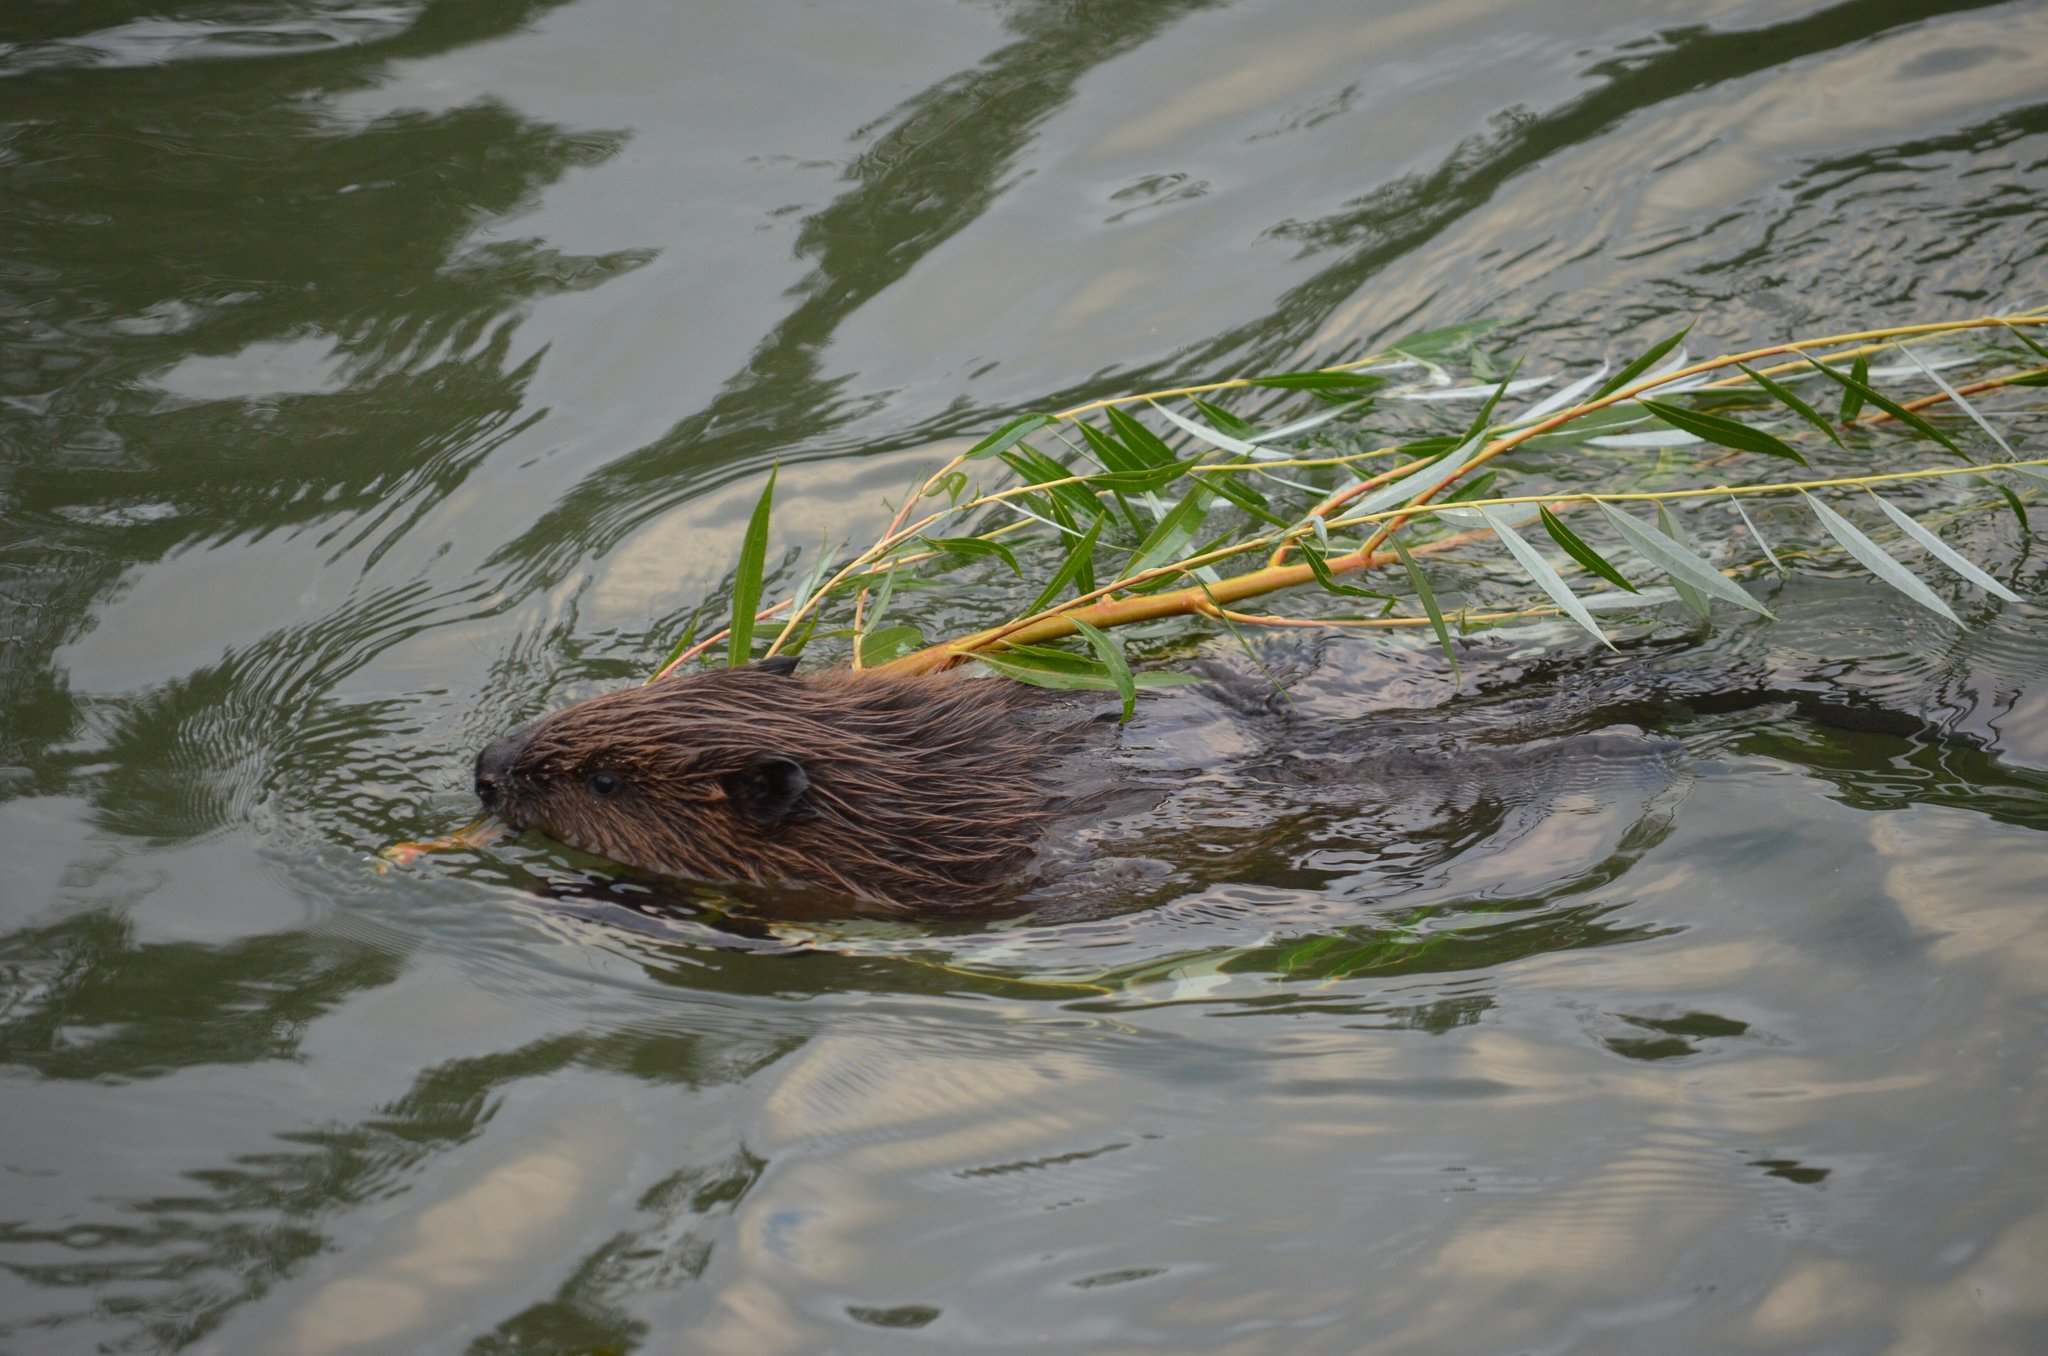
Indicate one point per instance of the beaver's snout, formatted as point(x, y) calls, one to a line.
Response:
point(494, 772)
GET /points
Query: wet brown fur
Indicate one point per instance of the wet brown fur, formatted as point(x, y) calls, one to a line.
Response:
point(915, 790)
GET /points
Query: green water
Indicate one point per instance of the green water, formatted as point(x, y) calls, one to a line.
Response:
point(374, 378)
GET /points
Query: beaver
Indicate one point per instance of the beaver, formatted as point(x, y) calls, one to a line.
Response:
point(916, 791)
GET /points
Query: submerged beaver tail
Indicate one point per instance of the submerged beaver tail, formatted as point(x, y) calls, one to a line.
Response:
point(919, 790)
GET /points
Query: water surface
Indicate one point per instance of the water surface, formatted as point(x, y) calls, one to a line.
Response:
point(375, 377)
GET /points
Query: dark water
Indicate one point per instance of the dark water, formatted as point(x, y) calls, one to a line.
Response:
point(373, 377)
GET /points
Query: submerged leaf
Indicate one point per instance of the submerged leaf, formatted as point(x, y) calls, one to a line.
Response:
point(746, 579)
point(1877, 560)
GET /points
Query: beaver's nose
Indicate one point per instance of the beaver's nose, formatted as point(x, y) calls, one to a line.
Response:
point(494, 770)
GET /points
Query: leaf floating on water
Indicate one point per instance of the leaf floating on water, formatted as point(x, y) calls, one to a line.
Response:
point(1943, 552)
point(1878, 560)
point(746, 581)
point(1545, 575)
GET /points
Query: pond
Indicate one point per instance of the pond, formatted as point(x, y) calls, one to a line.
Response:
point(374, 377)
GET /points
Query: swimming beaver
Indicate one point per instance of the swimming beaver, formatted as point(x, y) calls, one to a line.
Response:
point(923, 790)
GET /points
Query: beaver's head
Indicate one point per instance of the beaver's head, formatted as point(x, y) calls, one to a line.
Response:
point(909, 790)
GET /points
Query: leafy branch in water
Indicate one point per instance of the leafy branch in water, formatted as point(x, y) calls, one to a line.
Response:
point(1168, 505)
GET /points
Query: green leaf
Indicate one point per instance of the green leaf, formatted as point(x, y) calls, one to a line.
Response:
point(1579, 551)
point(1008, 435)
point(1173, 532)
point(1351, 383)
point(1642, 364)
point(1545, 575)
point(1696, 601)
point(1242, 495)
point(1727, 432)
point(1038, 469)
point(1320, 568)
point(975, 548)
point(1859, 390)
point(1877, 560)
point(1428, 597)
point(746, 579)
point(1111, 452)
point(1080, 559)
point(2033, 475)
point(1112, 660)
point(1475, 488)
point(1148, 446)
point(1671, 557)
point(1222, 419)
point(1786, 397)
point(684, 641)
point(1943, 552)
point(891, 642)
point(1852, 391)
point(2023, 337)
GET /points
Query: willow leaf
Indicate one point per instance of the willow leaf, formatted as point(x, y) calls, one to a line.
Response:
point(975, 548)
point(1172, 532)
point(1080, 559)
point(1853, 390)
point(1215, 437)
point(1546, 577)
point(1695, 601)
point(1955, 398)
point(1785, 396)
point(746, 579)
point(1678, 561)
point(1428, 596)
point(1726, 432)
point(1008, 435)
point(1579, 551)
point(1148, 446)
point(1943, 552)
point(1349, 382)
point(1319, 566)
point(1877, 560)
point(2034, 475)
point(2023, 337)
point(1113, 661)
point(1750, 523)
point(1037, 667)
point(2012, 501)
point(890, 642)
point(1642, 364)
point(1221, 418)
point(1865, 392)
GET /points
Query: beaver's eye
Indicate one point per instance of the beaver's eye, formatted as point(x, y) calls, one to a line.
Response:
point(604, 785)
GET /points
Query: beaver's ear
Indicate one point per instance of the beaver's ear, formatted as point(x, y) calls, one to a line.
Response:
point(769, 791)
point(781, 665)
